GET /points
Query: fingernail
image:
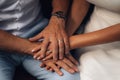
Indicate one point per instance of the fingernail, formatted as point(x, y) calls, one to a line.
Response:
point(77, 69)
point(34, 57)
point(33, 50)
point(38, 58)
point(72, 71)
point(44, 59)
point(61, 74)
point(42, 56)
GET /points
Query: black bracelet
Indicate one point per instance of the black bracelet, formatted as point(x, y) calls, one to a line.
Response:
point(59, 14)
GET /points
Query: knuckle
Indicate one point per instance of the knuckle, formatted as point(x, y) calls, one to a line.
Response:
point(42, 56)
point(66, 40)
point(59, 63)
point(64, 59)
point(66, 67)
point(72, 65)
point(43, 50)
point(67, 43)
point(66, 37)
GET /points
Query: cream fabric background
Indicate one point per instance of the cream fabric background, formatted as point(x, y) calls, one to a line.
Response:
point(102, 62)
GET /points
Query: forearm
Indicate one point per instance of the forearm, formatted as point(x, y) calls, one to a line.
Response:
point(59, 11)
point(78, 11)
point(60, 5)
point(106, 35)
point(9, 42)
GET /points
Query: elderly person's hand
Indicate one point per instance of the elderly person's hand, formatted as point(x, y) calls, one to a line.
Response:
point(68, 63)
point(54, 34)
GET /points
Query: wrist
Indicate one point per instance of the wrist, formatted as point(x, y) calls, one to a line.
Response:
point(25, 47)
point(74, 42)
point(71, 39)
point(59, 14)
point(57, 22)
point(29, 48)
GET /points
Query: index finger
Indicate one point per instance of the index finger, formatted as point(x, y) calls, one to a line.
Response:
point(56, 69)
point(54, 48)
point(70, 64)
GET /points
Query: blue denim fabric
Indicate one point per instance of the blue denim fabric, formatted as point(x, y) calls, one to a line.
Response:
point(9, 61)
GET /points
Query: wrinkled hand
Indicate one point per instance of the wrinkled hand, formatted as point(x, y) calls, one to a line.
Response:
point(54, 34)
point(68, 63)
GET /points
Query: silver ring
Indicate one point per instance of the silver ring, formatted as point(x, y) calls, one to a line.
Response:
point(40, 40)
point(60, 41)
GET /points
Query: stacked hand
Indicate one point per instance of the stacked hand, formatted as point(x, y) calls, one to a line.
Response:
point(55, 36)
point(68, 63)
point(54, 48)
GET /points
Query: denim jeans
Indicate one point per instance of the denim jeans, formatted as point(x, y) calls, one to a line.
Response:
point(9, 61)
